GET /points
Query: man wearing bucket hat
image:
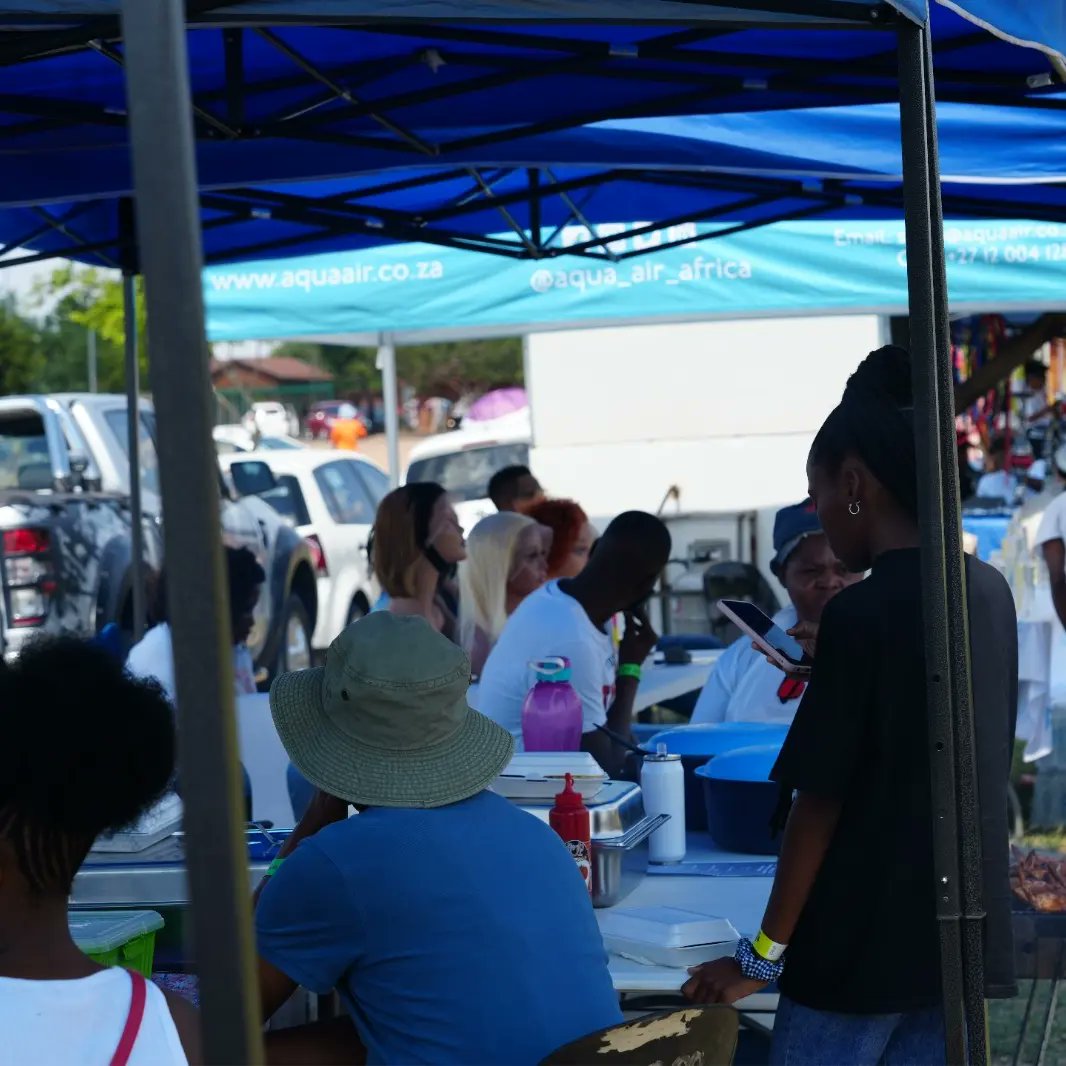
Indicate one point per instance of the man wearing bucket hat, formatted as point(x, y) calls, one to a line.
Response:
point(744, 686)
point(455, 926)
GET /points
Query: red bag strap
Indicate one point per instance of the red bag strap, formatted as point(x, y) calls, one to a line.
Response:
point(133, 1020)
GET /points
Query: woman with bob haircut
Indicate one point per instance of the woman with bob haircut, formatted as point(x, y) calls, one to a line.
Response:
point(415, 546)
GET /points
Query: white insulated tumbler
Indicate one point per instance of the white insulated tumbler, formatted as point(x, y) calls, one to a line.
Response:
point(662, 781)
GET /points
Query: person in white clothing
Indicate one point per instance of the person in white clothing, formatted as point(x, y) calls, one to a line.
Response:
point(744, 686)
point(153, 656)
point(999, 483)
point(1036, 410)
point(1051, 540)
point(570, 618)
point(84, 749)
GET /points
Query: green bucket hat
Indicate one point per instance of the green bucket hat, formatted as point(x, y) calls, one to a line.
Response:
point(385, 722)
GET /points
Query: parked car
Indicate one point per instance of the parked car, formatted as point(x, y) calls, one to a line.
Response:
point(230, 439)
point(68, 460)
point(320, 419)
point(464, 461)
point(331, 500)
point(271, 419)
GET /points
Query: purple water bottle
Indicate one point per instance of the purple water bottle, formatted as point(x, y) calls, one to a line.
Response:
point(551, 713)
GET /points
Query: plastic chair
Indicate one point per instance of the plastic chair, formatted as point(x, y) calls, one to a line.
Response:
point(703, 1035)
point(735, 581)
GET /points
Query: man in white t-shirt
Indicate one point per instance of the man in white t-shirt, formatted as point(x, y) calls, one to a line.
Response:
point(571, 618)
point(744, 687)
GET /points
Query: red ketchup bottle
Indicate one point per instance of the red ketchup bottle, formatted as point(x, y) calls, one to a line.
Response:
point(570, 819)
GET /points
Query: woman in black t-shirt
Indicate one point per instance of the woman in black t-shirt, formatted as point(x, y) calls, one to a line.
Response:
point(854, 896)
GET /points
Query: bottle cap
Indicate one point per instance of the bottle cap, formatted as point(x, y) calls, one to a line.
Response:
point(569, 799)
point(554, 669)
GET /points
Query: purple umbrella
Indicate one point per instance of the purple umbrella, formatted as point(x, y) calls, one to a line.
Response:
point(496, 404)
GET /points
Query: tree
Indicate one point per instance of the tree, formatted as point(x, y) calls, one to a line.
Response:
point(83, 299)
point(451, 369)
point(23, 357)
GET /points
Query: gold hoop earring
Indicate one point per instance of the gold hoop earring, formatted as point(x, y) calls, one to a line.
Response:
point(854, 508)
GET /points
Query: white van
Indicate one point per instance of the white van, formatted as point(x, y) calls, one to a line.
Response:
point(464, 460)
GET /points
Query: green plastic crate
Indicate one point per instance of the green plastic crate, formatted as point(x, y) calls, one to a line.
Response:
point(117, 938)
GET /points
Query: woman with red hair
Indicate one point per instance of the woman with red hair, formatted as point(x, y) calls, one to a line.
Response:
point(573, 536)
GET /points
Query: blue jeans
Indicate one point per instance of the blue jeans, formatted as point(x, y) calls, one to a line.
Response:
point(806, 1037)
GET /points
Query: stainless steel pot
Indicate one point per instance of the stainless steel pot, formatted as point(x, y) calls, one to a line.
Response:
point(620, 863)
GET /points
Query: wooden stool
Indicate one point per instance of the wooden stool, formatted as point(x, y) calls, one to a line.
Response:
point(693, 1036)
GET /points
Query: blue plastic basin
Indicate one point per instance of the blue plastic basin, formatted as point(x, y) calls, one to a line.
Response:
point(740, 801)
point(698, 743)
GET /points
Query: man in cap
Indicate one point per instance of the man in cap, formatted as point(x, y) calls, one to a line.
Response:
point(744, 686)
point(456, 927)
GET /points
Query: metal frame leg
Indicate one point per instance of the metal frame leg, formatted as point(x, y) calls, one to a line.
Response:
point(1052, 1002)
point(168, 220)
point(1025, 1022)
point(387, 365)
point(971, 866)
point(944, 608)
point(133, 450)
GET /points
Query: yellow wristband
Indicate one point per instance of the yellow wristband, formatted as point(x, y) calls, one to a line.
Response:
point(768, 949)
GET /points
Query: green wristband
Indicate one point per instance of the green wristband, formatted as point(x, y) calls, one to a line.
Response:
point(630, 670)
point(274, 867)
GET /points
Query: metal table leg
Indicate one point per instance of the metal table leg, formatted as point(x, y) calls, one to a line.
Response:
point(1049, 1017)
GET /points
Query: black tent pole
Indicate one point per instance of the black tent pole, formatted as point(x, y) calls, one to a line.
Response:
point(921, 249)
point(968, 806)
point(133, 450)
point(168, 228)
point(127, 231)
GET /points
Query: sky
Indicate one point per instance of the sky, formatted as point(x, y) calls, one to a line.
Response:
point(19, 281)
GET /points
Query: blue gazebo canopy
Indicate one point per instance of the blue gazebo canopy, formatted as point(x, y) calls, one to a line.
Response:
point(325, 124)
point(291, 101)
point(741, 170)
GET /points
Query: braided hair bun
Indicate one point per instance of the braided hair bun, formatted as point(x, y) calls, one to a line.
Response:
point(875, 421)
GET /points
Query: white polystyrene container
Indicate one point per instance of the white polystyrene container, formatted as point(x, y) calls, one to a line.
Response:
point(541, 775)
point(667, 936)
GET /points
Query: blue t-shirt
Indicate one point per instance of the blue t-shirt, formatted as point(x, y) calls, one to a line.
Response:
point(461, 934)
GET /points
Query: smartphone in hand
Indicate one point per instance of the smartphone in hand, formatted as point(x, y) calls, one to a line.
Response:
point(772, 640)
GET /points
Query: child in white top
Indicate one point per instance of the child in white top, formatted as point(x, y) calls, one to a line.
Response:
point(84, 749)
point(153, 656)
